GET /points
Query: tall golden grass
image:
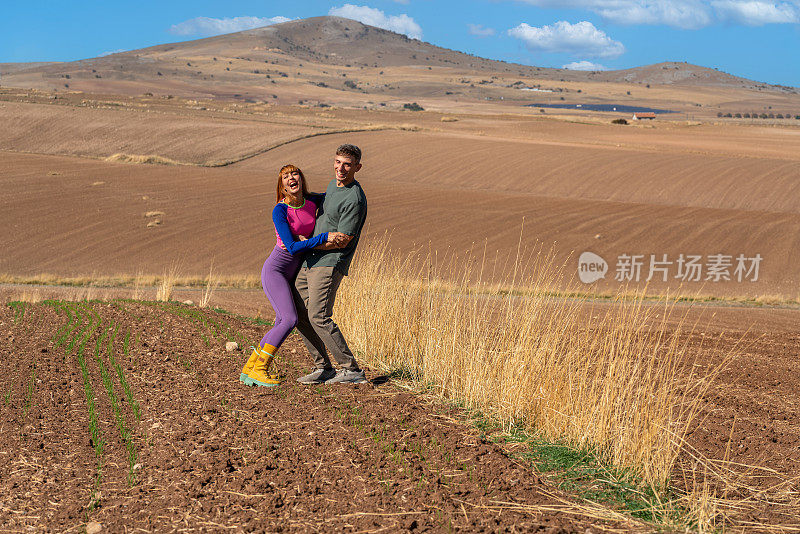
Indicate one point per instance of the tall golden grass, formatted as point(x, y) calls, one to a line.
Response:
point(31, 297)
point(612, 378)
point(212, 282)
point(167, 284)
point(137, 286)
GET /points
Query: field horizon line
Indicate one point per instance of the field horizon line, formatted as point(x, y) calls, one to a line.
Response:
point(251, 282)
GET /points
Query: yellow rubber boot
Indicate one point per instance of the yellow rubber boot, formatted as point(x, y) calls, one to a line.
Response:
point(251, 361)
point(258, 375)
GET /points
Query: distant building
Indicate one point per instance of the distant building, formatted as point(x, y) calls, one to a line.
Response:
point(644, 115)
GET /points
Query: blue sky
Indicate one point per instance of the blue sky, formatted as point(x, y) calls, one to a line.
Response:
point(757, 39)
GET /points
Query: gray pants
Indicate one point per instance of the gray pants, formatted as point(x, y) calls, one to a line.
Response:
point(314, 294)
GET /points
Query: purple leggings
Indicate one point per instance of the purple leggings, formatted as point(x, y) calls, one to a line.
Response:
point(277, 279)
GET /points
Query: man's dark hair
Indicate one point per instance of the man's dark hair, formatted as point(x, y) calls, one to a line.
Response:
point(351, 151)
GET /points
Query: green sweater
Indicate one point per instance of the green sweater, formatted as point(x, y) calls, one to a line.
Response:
point(344, 210)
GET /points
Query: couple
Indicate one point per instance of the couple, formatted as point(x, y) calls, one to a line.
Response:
point(317, 235)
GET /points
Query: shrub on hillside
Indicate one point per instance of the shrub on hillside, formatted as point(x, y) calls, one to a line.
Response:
point(413, 107)
point(619, 121)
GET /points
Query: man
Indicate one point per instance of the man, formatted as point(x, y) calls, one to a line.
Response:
point(344, 210)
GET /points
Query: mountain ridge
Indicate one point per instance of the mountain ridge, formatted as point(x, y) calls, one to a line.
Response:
point(327, 58)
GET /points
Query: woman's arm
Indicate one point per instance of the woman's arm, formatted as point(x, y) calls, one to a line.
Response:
point(292, 245)
point(316, 198)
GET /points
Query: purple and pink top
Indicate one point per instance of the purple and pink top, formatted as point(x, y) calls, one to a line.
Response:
point(291, 222)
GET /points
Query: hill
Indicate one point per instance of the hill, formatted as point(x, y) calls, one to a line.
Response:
point(336, 61)
point(677, 73)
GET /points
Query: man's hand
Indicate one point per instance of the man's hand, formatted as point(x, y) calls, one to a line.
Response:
point(338, 239)
point(335, 240)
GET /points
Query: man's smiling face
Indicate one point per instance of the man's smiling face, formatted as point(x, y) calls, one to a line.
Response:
point(345, 168)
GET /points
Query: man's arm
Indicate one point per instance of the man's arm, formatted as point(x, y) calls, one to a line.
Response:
point(349, 219)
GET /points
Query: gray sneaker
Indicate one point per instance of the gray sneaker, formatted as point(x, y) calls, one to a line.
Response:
point(319, 376)
point(346, 376)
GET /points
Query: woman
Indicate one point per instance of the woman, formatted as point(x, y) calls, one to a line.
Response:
point(294, 218)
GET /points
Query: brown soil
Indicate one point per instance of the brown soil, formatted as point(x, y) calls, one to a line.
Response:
point(423, 193)
point(748, 425)
point(205, 139)
point(212, 454)
point(666, 188)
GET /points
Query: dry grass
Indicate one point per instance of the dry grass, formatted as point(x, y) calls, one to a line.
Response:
point(167, 284)
point(771, 300)
point(137, 286)
point(609, 384)
point(32, 296)
point(150, 159)
point(616, 382)
point(138, 282)
point(212, 282)
point(718, 494)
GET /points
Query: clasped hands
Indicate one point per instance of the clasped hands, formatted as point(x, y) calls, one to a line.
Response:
point(337, 239)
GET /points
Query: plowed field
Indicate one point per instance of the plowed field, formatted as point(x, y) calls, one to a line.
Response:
point(130, 415)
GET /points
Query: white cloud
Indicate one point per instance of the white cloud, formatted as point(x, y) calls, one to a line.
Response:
point(206, 27)
point(581, 39)
point(756, 12)
point(687, 14)
point(684, 14)
point(583, 65)
point(479, 31)
point(375, 17)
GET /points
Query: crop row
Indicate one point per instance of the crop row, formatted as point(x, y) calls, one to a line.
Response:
point(19, 310)
point(82, 322)
point(121, 375)
point(107, 383)
point(94, 429)
point(215, 328)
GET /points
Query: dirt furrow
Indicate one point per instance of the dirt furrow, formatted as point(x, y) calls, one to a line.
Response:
point(212, 453)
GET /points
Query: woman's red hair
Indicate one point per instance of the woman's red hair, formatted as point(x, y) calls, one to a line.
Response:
point(286, 169)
